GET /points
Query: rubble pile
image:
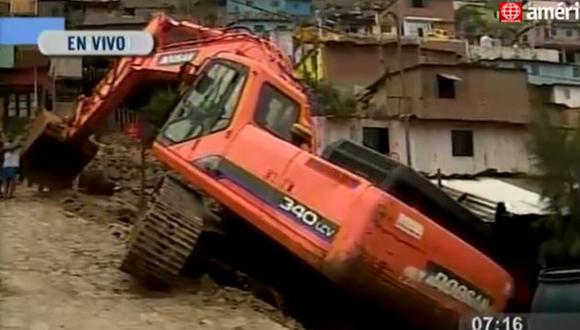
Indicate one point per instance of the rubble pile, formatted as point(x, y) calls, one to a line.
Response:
point(109, 193)
point(110, 186)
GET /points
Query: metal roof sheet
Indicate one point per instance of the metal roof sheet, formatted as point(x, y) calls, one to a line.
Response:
point(481, 196)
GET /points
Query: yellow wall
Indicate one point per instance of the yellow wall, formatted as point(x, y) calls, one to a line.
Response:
point(311, 66)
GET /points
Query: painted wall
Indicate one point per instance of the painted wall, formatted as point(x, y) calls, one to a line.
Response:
point(566, 95)
point(492, 53)
point(543, 72)
point(301, 8)
point(265, 25)
point(498, 146)
point(7, 57)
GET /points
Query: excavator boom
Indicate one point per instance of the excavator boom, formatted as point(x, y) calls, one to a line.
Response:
point(180, 48)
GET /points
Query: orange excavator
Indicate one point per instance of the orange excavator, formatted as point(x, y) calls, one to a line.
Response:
point(242, 133)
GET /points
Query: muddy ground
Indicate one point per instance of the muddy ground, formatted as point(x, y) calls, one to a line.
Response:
point(60, 253)
point(60, 271)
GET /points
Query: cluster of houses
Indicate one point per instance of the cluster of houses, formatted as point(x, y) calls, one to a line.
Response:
point(428, 94)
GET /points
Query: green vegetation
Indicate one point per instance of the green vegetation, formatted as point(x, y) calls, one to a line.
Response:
point(155, 112)
point(557, 154)
point(14, 126)
point(475, 21)
point(330, 100)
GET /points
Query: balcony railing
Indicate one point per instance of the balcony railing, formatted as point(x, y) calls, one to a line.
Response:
point(492, 53)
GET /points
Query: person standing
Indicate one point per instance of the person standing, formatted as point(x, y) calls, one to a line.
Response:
point(2, 142)
point(11, 167)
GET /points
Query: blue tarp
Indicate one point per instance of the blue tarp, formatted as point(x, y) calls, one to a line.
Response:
point(25, 30)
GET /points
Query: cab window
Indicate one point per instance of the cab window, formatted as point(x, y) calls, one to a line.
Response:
point(209, 105)
point(276, 112)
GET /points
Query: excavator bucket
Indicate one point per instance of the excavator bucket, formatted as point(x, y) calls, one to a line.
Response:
point(48, 158)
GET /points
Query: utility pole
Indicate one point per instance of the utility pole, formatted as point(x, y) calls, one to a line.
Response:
point(403, 114)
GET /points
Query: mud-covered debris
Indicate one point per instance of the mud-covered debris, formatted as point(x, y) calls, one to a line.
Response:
point(95, 182)
point(207, 285)
point(205, 322)
point(119, 231)
point(109, 188)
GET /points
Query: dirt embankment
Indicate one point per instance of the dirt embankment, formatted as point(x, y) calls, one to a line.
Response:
point(110, 186)
point(109, 197)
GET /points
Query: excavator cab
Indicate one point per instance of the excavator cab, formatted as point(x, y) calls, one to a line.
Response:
point(230, 93)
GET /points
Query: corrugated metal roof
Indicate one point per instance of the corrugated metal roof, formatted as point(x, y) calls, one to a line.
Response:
point(482, 195)
point(544, 80)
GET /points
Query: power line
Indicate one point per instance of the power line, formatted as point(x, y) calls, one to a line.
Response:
point(294, 18)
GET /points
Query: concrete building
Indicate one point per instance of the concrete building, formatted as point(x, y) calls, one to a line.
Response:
point(352, 64)
point(453, 118)
point(24, 83)
point(4, 7)
point(561, 79)
point(479, 52)
point(267, 16)
point(297, 8)
point(23, 7)
point(560, 35)
point(419, 17)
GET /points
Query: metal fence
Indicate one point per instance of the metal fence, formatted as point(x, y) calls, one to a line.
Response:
point(122, 118)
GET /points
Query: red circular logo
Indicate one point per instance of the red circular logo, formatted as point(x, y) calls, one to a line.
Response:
point(511, 11)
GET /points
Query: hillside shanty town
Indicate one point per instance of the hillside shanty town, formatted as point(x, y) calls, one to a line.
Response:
point(291, 164)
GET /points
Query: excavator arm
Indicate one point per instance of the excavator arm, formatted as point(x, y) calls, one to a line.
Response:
point(56, 149)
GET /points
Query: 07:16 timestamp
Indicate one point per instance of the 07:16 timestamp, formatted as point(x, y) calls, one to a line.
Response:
point(495, 322)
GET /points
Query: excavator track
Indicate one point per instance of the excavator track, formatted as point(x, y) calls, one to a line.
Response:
point(164, 238)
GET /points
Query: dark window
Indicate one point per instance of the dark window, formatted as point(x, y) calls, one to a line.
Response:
point(569, 32)
point(462, 143)
point(277, 113)
point(18, 105)
point(576, 72)
point(275, 3)
point(446, 87)
point(418, 3)
point(569, 57)
point(420, 32)
point(525, 38)
point(376, 138)
point(534, 69)
point(129, 11)
point(209, 105)
point(566, 92)
point(282, 28)
point(259, 28)
point(351, 29)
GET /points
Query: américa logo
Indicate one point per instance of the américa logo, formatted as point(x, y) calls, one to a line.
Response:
point(511, 12)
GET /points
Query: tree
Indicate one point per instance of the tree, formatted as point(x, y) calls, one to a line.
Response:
point(333, 102)
point(156, 111)
point(557, 155)
point(474, 21)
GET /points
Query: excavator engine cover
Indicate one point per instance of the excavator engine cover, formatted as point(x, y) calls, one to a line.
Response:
point(407, 185)
point(48, 159)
